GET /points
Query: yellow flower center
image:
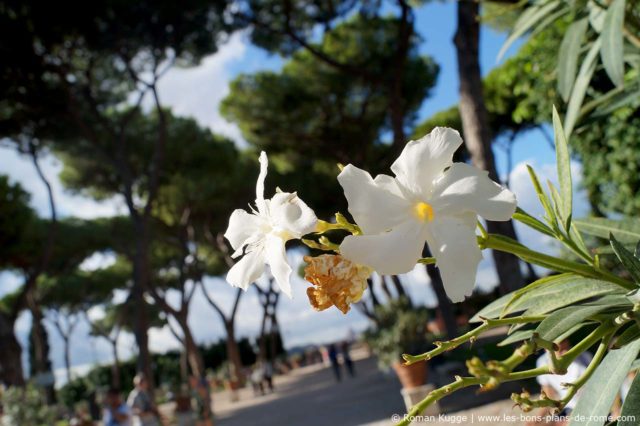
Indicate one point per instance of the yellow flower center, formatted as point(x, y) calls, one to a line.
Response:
point(423, 211)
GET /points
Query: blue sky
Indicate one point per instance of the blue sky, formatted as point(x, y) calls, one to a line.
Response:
point(196, 92)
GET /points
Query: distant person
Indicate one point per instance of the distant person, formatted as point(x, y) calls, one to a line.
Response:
point(183, 410)
point(332, 352)
point(202, 400)
point(142, 407)
point(257, 378)
point(94, 408)
point(116, 412)
point(268, 375)
point(346, 358)
point(552, 383)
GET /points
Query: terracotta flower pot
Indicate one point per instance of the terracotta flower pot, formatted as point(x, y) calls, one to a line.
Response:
point(411, 376)
point(232, 385)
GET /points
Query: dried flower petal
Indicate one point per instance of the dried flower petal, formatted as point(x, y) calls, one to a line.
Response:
point(338, 281)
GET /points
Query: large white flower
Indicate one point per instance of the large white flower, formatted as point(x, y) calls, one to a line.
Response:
point(430, 199)
point(261, 234)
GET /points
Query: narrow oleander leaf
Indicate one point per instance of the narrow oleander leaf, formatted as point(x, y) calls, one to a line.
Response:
point(525, 22)
point(563, 164)
point(626, 231)
point(568, 56)
point(553, 297)
point(525, 218)
point(518, 336)
point(630, 414)
point(636, 253)
point(598, 394)
point(612, 47)
point(542, 196)
point(565, 319)
point(493, 309)
point(553, 294)
point(544, 281)
point(629, 335)
point(628, 260)
point(580, 87)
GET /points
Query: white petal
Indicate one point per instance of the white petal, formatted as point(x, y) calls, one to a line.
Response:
point(394, 252)
point(276, 258)
point(376, 206)
point(288, 212)
point(452, 240)
point(424, 160)
point(264, 165)
point(247, 270)
point(243, 227)
point(464, 188)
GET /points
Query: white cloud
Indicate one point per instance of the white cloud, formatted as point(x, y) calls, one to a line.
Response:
point(20, 169)
point(196, 92)
point(9, 282)
point(98, 260)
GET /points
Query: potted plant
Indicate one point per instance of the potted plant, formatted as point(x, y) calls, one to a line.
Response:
point(400, 328)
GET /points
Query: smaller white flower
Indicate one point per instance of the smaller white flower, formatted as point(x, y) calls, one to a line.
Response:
point(261, 234)
point(430, 199)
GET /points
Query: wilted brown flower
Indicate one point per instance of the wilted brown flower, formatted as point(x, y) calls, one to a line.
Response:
point(337, 281)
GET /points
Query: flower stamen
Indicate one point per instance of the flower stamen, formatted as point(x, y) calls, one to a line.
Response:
point(423, 211)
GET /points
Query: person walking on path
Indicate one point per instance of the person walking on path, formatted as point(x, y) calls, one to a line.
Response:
point(116, 412)
point(346, 358)
point(142, 407)
point(333, 359)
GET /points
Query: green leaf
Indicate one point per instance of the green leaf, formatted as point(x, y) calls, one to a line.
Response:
point(563, 164)
point(580, 87)
point(611, 50)
point(550, 293)
point(547, 294)
point(544, 281)
point(568, 57)
point(526, 21)
point(518, 336)
point(493, 309)
point(631, 408)
point(627, 336)
point(562, 293)
point(628, 260)
point(525, 218)
point(626, 231)
point(599, 392)
point(542, 196)
point(564, 319)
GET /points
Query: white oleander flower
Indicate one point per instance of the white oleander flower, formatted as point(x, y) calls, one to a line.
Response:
point(261, 234)
point(430, 199)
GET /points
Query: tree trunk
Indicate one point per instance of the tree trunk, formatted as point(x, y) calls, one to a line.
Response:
point(194, 357)
point(444, 304)
point(141, 322)
point(397, 284)
point(385, 289)
point(67, 357)
point(40, 341)
point(233, 352)
point(115, 367)
point(11, 373)
point(374, 298)
point(477, 133)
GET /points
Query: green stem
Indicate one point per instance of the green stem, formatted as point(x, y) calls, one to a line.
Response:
point(469, 336)
point(574, 387)
point(463, 382)
point(607, 328)
point(438, 394)
point(507, 245)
